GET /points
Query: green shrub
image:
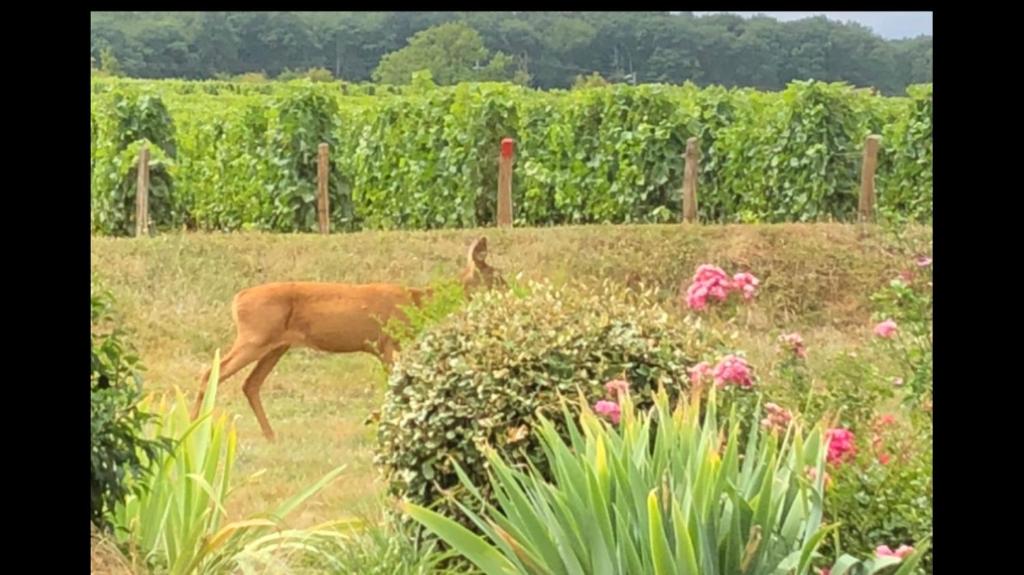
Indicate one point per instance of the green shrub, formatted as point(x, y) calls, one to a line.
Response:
point(884, 496)
point(126, 120)
point(119, 450)
point(483, 375)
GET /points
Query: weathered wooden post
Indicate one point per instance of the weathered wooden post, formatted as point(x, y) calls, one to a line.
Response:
point(323, 206)
point(690, 180)
point(142, 194)
point(866, 207)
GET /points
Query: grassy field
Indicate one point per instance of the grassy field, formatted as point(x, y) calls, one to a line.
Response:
point(173, 293)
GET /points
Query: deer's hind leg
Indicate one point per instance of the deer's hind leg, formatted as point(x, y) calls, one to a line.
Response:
point(251, 388)
point(240, 355)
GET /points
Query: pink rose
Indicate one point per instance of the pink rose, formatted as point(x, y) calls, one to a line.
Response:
point(793, 341)
point(902, 552)
point(886, 329)
point(777, 418)
point(608, 409)
point(699, 372)
point(840, 444)
point(733, 369)
point(812, 474)
point(706, 273)
point(746, 283)
point(616, 387)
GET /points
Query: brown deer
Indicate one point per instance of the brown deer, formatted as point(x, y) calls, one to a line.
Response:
point(272, 318)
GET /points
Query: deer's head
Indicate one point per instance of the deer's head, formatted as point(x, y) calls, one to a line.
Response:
point(478, 273)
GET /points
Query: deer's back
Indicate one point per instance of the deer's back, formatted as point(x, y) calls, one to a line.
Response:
point(327, 316)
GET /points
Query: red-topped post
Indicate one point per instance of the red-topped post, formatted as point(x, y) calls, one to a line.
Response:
point(508, 147)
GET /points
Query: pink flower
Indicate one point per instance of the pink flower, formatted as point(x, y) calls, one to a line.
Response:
point(699, 372)
point(794, 342)
point(746, 283)
point(712, 282)
point(812, 474)
point(777, 418)
point(734, 370)
point(616, 387)
point(840, 444)
point(707, 273)
point(709, 281)
point(883, 458)
point(902, 552)
point(824, 571)
point(897, 381)
point(923, 261)
point(608, 409)
point(886, 329)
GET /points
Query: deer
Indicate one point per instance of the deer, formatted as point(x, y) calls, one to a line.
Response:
point(272, 318)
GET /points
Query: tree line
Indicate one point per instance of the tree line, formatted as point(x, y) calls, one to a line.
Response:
point(541, 49)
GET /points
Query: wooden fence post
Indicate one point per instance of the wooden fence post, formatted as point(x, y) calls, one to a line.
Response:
point(690, 180)
point(142, 194)
point(866, 207)
point(323, 206)
point(508, 146)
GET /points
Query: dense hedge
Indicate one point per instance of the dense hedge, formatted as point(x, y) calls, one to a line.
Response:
point(484, 374)
point(427, 157)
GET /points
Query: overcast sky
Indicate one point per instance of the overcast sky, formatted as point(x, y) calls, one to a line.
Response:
point(886, 24)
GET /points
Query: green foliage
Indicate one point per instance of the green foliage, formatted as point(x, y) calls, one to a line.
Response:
point(656, 46)
point(247, 158)
point(594, 80)
point(608, 155)
point(176, 521)
point(381, 550)
point(904, 178)
point(668, 491)
point(794, 157)
point(304, 120)
point(312, 74)
point(483, 375)
point(884, 503)
point(250, 78)
point(908, 302)
point(851, 390)
point(109, 63)
point(125, 120)
point(441, 174)
point(445, 298)
point(223, 168)
point(452, 52)
point(119, 449)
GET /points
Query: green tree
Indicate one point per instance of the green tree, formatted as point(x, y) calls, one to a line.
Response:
point(453, 52)
point(109, 63)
